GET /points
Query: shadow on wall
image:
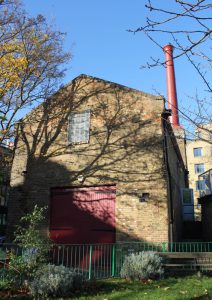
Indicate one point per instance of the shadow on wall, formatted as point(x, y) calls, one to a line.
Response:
point(125, 148)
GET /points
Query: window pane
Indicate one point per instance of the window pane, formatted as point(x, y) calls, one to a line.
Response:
point(187, 196)
point(199, 168)
point(197, 152)
point(79, 126)
point(200, 185)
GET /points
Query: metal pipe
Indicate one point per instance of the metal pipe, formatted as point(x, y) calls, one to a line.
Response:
point(171, 85)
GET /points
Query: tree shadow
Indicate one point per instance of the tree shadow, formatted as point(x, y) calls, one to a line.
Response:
point(125, 150)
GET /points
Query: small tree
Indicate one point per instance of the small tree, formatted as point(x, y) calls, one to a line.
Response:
point(31, 60)
point(28, 235)
point(33, 244)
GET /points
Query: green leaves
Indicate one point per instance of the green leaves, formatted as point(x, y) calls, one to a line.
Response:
point(28, 234)
point(34, 246)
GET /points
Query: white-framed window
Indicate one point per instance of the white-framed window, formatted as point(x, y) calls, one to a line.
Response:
point(79, 127)
point(198, 152)
point(199, 168)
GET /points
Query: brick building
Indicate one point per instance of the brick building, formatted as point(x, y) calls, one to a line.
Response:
point(104, 159)
point(199, 160)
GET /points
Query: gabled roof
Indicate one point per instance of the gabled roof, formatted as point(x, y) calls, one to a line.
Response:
point(112, 84)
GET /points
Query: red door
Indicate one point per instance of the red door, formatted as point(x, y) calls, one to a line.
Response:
point(83, 215)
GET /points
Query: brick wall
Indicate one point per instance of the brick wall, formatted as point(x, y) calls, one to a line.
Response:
point(176, 178)
point(125, 148)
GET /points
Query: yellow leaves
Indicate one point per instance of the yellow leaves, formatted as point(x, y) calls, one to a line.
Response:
point(3, 131)
point(12, 65)
point(45, 37)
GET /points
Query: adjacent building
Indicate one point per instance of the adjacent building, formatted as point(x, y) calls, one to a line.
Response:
point(199, 160)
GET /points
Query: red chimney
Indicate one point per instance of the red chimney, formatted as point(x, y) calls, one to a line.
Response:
point(171, 85)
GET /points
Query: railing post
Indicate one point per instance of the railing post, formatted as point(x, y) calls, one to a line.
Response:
point(90, 262)
point(164, 247)
point(113, 259)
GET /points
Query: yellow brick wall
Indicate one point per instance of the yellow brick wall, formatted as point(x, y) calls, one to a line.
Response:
point(125, 148)
point(206, 144)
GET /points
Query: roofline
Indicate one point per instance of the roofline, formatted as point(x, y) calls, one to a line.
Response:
point(159, 97)
point(98, 79)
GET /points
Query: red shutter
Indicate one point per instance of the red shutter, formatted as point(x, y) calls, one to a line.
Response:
point(83, 215)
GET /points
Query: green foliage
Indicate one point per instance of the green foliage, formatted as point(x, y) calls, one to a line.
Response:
point(6, 284)
point(143, 265)
point(18, 268)
point(8, 279)
point(28, 234)
point(55, 281)
point(34, 246)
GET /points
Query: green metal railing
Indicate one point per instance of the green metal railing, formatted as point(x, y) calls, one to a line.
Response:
point(93, 261)
point(98, 261)
point(105, 260)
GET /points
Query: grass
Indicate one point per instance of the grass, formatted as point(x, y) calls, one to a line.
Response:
point(190, 287)
point(181, 288)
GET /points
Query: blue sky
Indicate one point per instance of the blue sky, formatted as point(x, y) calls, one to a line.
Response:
point(101, 46)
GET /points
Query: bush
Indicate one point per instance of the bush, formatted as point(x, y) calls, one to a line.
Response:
point(9, 280)
point(29, 238)
point(55, 281)
point(143, 265)
point(34, 245)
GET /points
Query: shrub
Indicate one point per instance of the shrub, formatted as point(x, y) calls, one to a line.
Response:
point(29, 238)
point(55, 281)
point(6, 284)
point(142, 265)
point(9, 280)
point(33, 244)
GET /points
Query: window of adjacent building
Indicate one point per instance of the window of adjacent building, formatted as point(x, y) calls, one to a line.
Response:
point(3, 218)
point(4, 194)
point(197, 152)
point(199, 168)
point(187, 196)
point(79, 127)
point(200, 185)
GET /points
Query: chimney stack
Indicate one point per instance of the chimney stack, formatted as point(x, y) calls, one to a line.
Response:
point(171, 86)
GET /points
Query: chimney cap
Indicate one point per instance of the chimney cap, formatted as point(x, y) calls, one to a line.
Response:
point(168, 47)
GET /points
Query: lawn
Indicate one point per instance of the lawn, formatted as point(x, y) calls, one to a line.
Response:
point(190, 287)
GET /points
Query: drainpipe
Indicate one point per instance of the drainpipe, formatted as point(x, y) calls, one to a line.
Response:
point(167, 113)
